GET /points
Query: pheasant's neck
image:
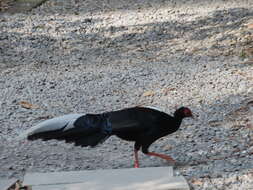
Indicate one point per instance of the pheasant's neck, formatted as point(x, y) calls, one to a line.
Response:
point(178, 121)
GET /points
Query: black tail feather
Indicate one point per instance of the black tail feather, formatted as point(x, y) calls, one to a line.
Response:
point(84, 130)
point(92, 140)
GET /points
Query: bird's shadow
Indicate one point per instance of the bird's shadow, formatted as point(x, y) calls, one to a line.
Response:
point(190, 163)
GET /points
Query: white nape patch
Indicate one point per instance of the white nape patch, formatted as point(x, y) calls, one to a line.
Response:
point(151, 107)
point(52, 124)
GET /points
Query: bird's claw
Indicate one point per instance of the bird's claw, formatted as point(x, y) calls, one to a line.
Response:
point(169, 159)
point(136, 165)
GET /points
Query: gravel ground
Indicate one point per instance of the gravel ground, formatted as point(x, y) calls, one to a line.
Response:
point(76, 56)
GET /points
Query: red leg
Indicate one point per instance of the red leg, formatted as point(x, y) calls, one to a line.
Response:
point(136, 160)
point(163, 156)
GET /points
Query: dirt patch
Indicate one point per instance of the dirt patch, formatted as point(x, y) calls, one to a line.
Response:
point(5, 4)
point(19, 6)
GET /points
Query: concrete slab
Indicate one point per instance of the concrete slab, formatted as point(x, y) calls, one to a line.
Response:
point(156, 178)
point(90, 175)
point(6, 183)
point(165, 183)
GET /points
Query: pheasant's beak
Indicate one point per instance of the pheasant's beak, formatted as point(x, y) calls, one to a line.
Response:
point(191, 115)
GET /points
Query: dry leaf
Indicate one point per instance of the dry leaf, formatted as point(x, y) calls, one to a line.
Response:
point(215, 123)
point(216, 140)
point(167, 90)
point(167, 147)
point(250, 26)
point(249, 125)
point(43, 117)
point(236, 150)
point(241, 73)
point(197, 182)
point(28, 105)
point(248, 51)
point(250, 62)
point(148, 93)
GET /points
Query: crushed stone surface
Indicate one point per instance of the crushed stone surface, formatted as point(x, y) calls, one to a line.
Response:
point(89, 56)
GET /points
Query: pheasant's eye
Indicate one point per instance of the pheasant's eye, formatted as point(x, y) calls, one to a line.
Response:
point(187, 112)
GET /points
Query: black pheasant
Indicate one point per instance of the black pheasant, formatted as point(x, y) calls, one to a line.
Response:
point(143, 125)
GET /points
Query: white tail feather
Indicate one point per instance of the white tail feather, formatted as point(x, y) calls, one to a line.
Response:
point(51, 125)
